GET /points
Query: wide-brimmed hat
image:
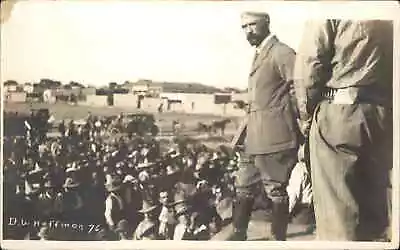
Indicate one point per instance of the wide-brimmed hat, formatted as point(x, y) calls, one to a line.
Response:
point(145, 165)
point(133, 154)
point(70, 183)
point(144, 176)
point(49, 184)
point(43, 231)
point(129, 179)
point(171, 170)
point(36, 170)
point(147, 207)
point(73, 167)
point(31, 190)
point(119, 164)
point(181, 208)
point(180, 203)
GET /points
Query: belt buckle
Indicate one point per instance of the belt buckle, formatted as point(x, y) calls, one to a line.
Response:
point(344, 96)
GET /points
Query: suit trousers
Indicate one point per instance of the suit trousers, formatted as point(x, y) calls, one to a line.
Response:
point(271, 170)
point(350, 156)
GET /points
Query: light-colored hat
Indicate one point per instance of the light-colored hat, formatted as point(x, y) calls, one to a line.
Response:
point(147, 207)
point(43, 231)
point(145, 165)
point(49, 184)
point(254, 15)
point(37, 169)
point(171, 151)
point(129, 178)
point(163, 194)
point(70, 183)
point(133, 154)
point(171, 170)
point(143, 176)
point(119, 164)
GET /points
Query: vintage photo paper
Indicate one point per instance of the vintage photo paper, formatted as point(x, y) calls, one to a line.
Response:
point(199, 124)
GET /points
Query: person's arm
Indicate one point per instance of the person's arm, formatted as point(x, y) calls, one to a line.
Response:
point(294, 187)
point(285, 65)
point(313, 66)
point(107, 212)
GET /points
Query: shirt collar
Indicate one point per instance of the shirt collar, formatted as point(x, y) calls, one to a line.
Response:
point(263, 43)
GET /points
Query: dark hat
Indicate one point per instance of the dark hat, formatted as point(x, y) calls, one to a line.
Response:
point(70, 183)
point(147, 207)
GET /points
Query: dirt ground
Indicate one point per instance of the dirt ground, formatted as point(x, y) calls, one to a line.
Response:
point(64, 111)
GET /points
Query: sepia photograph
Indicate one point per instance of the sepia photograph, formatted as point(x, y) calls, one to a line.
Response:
point(135, 124)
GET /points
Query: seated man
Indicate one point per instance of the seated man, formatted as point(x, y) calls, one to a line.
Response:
point(299, 189)
point(147, 228)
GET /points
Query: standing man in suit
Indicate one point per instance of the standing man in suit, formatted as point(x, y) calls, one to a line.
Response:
point(344, 89)
point(271, 136)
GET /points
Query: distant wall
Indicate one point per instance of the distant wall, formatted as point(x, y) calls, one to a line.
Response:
point(190, 103)
point(95, 100)
point(15, 97)
point(125, 100)
point(151, 104)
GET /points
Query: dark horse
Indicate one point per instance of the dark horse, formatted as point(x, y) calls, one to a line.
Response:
point(201, 127)
point(220, 125)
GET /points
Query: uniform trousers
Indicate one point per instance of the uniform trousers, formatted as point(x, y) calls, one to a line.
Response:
point(272, 170)
point(350, 156)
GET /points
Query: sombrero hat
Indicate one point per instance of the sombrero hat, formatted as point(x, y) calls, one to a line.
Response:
point(171, 170)
point(179, 198)
point(49, 184)
point(144, 176)
point(43, 231)
point(129, 179)
point(147, 207)
point(70, 183)
point(145, 165)
point(180, 204)
point(36, 170)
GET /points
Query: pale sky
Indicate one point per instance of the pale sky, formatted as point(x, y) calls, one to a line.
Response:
point(96, 42)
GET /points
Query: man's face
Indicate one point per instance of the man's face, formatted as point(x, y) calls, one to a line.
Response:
point(163, 198)
point(255, 29)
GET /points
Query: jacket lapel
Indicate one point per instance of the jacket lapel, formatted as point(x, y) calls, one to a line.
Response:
point(264, 53)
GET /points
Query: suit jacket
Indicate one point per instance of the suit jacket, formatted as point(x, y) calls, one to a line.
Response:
point(271, 124)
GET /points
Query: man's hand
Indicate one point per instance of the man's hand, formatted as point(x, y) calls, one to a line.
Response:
point(304, 126)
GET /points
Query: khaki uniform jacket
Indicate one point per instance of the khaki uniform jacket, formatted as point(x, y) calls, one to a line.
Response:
point(271, 125)
point(342, 54)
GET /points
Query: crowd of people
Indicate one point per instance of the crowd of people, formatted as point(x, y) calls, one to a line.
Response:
point(82, 186)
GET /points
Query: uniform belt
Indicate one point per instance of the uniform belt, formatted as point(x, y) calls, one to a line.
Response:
point(364, 95)
point(328, 93)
